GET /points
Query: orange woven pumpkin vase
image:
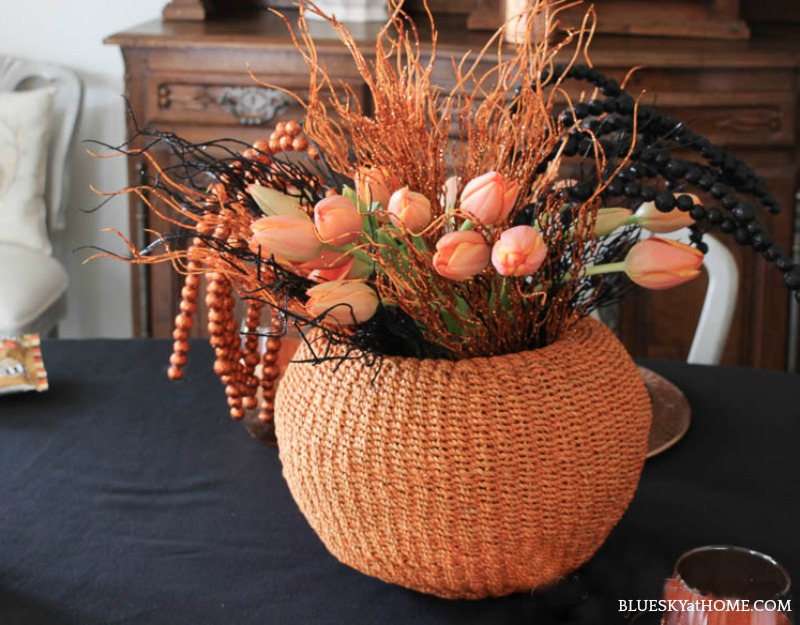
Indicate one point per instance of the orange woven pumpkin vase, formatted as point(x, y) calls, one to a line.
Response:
point(467, 479)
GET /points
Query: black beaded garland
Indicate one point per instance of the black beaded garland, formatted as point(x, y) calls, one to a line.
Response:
point(729, 201)
point(744, 212)
point(792, 278)
point(693, 174)
point(684, 203)
point(705, 182)
point(580, 110)
point(773, 253)
point(648, 193)
point(676, 168)
point(784, 262)
point(665, 202)
point(717, 191)
point(714, 216)
point(654, 174)
point(595, 107)
point(754, 227)
point(742, 236)
point(581, 191)
point(762, 241)
point(632, 189)
point(615, 187)
point(571, 146)
point(698, 213)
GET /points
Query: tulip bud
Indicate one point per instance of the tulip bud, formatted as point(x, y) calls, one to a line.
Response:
point(338, 220)
point(352, 269)
point(449, 193)
point(652, 219)
point(273, 202)
point(519, 251)
point(292, 238)
point(662, 263)
point(489, 198)
point(609, 219)
point(372, 185)
point(410, 210)
point(461, 255)
point(346, 302)
point(327, 259)
point(328, 274)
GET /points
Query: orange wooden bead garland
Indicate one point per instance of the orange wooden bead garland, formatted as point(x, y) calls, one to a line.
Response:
point(270, 372)
point(251, 357)
point(184, 322)
point(236, 358)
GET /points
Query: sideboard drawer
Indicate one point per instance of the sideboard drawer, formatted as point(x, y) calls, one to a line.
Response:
point(733, 119)
point(227, 99)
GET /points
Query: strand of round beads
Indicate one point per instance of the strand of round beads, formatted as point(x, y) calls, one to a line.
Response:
point(285, 138)
point(184, 320)
point(224, 339)
point(251, 355)
point(270, 371)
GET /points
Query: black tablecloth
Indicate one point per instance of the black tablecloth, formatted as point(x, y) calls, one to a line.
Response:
point(125, 498)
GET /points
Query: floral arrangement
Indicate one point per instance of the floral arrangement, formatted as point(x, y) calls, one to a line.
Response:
point(481, 220)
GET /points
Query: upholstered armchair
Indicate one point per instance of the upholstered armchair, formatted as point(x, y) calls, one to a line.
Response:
point(39, 110)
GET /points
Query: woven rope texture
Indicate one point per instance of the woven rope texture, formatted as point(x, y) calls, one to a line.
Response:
point(467, 479)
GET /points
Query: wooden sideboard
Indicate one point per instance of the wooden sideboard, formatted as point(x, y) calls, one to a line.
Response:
point(187, 77)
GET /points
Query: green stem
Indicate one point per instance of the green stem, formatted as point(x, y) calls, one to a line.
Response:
point(505, 301)
point(607, 268)
point(467, 225)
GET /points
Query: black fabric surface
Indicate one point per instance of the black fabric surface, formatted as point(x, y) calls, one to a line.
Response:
point(125, 498)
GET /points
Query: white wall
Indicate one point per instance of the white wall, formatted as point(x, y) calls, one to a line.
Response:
point(71, 33)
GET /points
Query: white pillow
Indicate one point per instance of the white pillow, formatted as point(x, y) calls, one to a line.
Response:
point(25, 118)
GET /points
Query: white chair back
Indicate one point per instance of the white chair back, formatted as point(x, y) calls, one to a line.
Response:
point(33, 283)
point(714, 324)
point(18, 75)
point(716, 316)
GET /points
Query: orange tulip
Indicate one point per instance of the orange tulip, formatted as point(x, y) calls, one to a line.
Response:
point(489, 198)
point(461, 255)
point(329, 274)
point(519, 251)
point(652, 219)
point(410, 210)
point(327, 259)
point(345, 302)
point(609, 219)
point(338, 220)
point(291, 237)
point(352, 269)
point(662, 264)
point(373, 185)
